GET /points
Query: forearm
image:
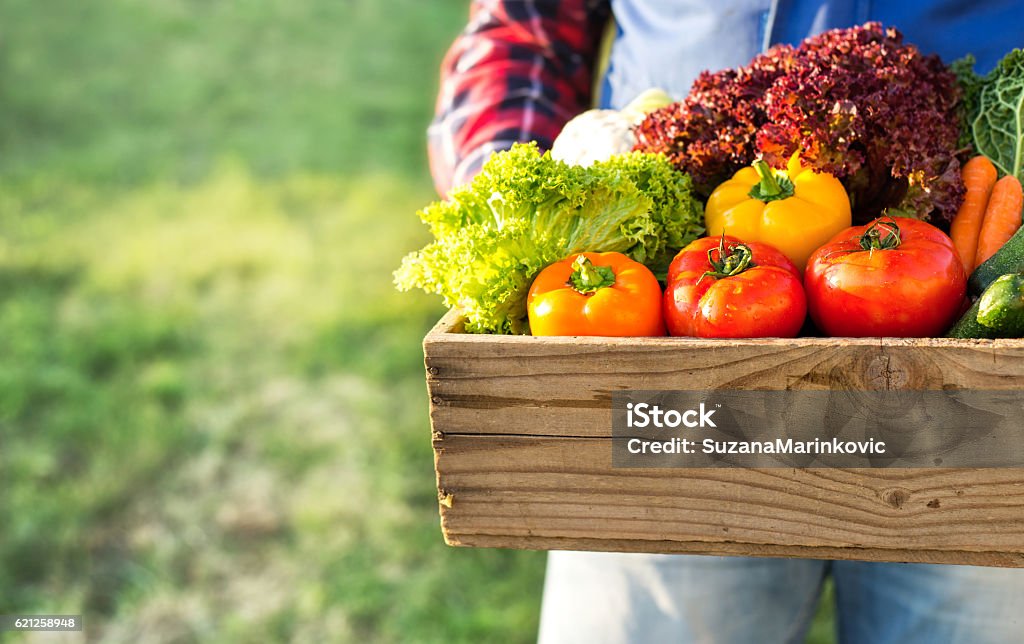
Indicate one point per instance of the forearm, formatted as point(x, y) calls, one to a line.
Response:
point(519, 71)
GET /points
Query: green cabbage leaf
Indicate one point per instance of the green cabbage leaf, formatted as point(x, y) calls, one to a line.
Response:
point(526, 210)
point(995, 111)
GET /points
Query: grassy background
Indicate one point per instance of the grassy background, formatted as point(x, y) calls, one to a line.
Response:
point(212, 416)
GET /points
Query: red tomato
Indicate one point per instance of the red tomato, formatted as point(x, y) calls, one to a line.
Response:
point(720, 287)
point(896, 277)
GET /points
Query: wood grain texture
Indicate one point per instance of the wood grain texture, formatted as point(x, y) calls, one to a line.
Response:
point(1001, 559)
point(522, 440)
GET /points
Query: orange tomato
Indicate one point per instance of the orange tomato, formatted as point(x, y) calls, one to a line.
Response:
point(595, 294)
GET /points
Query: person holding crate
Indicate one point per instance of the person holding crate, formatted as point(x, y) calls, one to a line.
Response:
point(519, 72)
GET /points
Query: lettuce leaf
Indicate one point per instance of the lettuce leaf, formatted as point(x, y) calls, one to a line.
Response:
point(525, 210)
point(995, 105)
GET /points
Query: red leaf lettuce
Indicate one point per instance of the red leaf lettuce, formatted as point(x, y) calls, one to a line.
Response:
point(857, 103)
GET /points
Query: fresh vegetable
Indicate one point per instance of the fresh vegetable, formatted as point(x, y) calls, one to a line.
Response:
point(525, 210)
point(998, 313)
point(1001, 306)
point(796, 210)
point(596, 294)
point(597, 135)
point(725, 288)
point(858, 104)
point(1008, 259)
point(979, 176)
point(896, 276)
point(995, 111)
point(1002, 217)
point(646, 102)
point(969, 327)
point(594, 135)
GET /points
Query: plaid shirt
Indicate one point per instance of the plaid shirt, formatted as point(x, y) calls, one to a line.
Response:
point(518, 72)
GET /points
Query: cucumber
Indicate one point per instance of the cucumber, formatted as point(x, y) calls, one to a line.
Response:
point(1001, 306)
point(1008, 259)
point(969, 327)
point(998, 313)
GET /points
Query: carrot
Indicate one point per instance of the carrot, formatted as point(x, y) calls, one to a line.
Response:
point(979, 176)
point(1002, 217)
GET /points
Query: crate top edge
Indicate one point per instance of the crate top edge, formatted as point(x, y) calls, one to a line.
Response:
point(449, 330)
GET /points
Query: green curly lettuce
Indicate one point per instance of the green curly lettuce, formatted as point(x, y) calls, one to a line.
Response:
point(995, 111)
point(525, 210)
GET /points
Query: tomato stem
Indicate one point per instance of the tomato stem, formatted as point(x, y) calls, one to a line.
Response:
point(738, 259)
point(873, 238)
point(770, 187)
point(587, 279)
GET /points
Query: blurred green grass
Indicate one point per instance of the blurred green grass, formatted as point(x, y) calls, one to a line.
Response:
point(212, 415)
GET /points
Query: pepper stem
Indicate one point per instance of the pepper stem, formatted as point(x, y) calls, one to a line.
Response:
point(738, 259)
point(873, 239)
point(586, 278)
point(770, 187)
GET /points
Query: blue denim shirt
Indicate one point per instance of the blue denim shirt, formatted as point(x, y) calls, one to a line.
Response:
point(667, 43)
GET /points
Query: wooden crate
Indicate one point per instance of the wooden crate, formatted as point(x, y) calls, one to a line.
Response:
point(522, 448)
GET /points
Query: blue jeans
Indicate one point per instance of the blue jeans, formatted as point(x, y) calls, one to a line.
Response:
point(598, 597)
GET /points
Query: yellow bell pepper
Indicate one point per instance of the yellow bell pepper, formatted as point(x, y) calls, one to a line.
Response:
point(795, 210)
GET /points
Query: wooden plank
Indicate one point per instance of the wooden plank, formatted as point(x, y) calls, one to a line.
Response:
point(524, 491)
point(563, 386)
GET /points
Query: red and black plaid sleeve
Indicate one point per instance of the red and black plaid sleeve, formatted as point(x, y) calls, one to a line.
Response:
point(518, 72)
